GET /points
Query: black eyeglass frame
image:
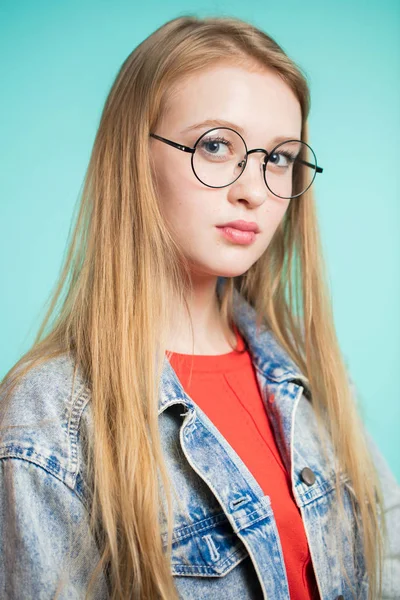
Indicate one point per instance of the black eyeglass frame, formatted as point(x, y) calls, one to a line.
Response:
point(316, 168)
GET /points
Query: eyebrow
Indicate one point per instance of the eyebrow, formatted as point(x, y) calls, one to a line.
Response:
point(222, 123)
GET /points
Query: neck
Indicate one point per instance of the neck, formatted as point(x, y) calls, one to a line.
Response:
point(210, 334)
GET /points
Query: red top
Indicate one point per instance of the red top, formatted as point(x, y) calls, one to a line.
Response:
point(226, 389)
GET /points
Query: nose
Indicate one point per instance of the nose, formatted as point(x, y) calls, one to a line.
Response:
point(250, 185)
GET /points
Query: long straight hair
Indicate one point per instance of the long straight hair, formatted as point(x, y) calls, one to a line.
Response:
point(122, 276)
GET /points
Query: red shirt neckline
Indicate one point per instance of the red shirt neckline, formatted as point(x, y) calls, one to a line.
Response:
point(215, 362)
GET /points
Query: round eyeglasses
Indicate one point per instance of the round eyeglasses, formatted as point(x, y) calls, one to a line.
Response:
point(219, 157)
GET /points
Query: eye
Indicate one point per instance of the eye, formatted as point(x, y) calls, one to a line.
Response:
point(282, 160)
point(216, 147)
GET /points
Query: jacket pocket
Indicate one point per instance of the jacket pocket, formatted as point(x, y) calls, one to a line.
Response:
point(208, 547)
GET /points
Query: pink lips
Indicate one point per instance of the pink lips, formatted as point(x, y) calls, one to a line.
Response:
point(238, 236)
point(242, 225)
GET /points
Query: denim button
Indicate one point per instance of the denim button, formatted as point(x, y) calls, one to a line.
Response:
point(307, 476)
point(340, 597)
point(278, 372)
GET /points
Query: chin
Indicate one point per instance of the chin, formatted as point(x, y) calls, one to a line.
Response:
point(232, 266)
point(230, 271)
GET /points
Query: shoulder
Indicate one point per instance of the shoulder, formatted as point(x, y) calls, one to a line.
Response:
point(45, 418)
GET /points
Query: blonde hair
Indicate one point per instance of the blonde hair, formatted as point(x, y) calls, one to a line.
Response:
point(121, 279)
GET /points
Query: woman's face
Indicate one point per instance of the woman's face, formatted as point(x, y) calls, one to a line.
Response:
point(264, 107)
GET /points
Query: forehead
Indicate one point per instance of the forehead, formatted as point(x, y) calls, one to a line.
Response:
point(257, 100)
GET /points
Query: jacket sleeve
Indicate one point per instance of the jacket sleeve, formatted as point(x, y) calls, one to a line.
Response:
point(45, 540)
point(391, 494)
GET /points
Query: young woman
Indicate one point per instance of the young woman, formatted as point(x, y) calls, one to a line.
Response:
point(184, 425)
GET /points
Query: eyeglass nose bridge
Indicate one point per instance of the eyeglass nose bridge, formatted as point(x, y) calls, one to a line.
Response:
point(251, 152)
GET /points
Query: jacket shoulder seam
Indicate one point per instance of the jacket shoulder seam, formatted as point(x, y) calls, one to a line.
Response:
point(51, 466)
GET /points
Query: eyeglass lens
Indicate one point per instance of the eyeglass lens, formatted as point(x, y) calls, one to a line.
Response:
point(220, 158)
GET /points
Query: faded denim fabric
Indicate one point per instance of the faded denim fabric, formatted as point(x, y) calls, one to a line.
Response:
point(225, 540)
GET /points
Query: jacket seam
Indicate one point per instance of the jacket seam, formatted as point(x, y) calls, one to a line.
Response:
point(74, 419)
point(55, 474)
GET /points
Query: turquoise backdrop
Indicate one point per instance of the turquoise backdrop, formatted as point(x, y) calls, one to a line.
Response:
point(58, 60)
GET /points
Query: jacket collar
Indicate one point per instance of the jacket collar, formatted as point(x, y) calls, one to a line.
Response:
point(268, 356)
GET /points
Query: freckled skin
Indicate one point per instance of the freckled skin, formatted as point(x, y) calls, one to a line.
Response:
point(265, 107)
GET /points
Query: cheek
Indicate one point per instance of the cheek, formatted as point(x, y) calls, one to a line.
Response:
point(275, 209)
point(183, 200)
point(167, 191)
point(279, 210)
point(274, 213)
point(182, 204)
point(174, 179)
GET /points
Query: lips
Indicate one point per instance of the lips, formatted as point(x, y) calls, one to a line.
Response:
point(242, 225)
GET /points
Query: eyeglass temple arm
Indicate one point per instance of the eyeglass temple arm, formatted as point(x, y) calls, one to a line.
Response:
point(318, 169)
point(173, 144)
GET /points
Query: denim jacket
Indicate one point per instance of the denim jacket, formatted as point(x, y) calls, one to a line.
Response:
point(225, 538)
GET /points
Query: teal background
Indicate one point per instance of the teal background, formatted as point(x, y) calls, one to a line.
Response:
point(58, 61)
